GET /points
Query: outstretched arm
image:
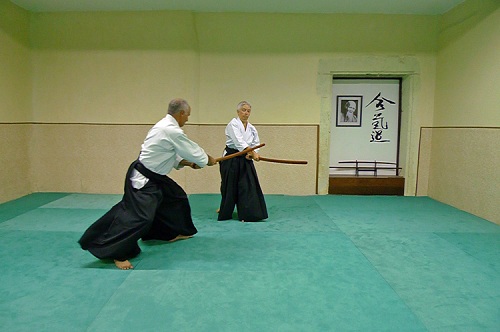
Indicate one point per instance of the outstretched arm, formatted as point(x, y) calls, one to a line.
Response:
point(211, 162)
point(184, 162)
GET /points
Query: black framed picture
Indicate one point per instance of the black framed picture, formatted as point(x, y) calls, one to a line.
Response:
point(349, 111)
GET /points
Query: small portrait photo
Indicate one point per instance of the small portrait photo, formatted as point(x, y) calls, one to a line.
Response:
point(349, 111)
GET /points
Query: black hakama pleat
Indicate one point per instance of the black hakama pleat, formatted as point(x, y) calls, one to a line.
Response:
point(240, 187)
point(158, 211)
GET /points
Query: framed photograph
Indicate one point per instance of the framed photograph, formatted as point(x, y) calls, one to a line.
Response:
point(349, 111)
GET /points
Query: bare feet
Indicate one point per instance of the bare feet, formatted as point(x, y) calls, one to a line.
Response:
point(123, 265)
point(181, 237)
point(218, 210)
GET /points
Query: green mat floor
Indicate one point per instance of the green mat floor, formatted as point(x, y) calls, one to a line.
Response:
point(319, 263)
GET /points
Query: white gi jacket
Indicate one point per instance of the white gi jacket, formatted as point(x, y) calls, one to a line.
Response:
point(238, 138)
point(163, 149)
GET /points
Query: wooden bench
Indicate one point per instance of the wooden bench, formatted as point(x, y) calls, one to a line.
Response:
point(373, 184)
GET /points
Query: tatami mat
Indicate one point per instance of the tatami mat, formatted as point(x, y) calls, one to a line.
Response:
point(319, 263)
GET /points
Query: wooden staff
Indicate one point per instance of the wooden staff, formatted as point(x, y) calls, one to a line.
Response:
point(229, 156)
point(284, 161)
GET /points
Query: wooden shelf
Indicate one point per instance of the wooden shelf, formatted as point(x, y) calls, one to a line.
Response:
point(366, 185)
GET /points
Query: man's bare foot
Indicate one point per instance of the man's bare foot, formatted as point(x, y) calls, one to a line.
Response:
point(218, 210)
point(123, 265)
point(181, 237)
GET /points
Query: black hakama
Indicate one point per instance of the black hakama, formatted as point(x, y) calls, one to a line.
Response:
point(158, 211)
point(240, 187)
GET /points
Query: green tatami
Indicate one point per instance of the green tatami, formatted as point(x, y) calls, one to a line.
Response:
point(319, 263)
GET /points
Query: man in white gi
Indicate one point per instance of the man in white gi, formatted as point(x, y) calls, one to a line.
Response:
point(239, 182)
point(153, 206)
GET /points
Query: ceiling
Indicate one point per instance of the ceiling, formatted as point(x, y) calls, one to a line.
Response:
point(413, 7)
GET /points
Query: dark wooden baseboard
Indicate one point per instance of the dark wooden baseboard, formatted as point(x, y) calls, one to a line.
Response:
point(366, 185)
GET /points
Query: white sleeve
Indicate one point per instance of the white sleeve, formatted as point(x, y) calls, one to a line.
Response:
point(189, 150)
